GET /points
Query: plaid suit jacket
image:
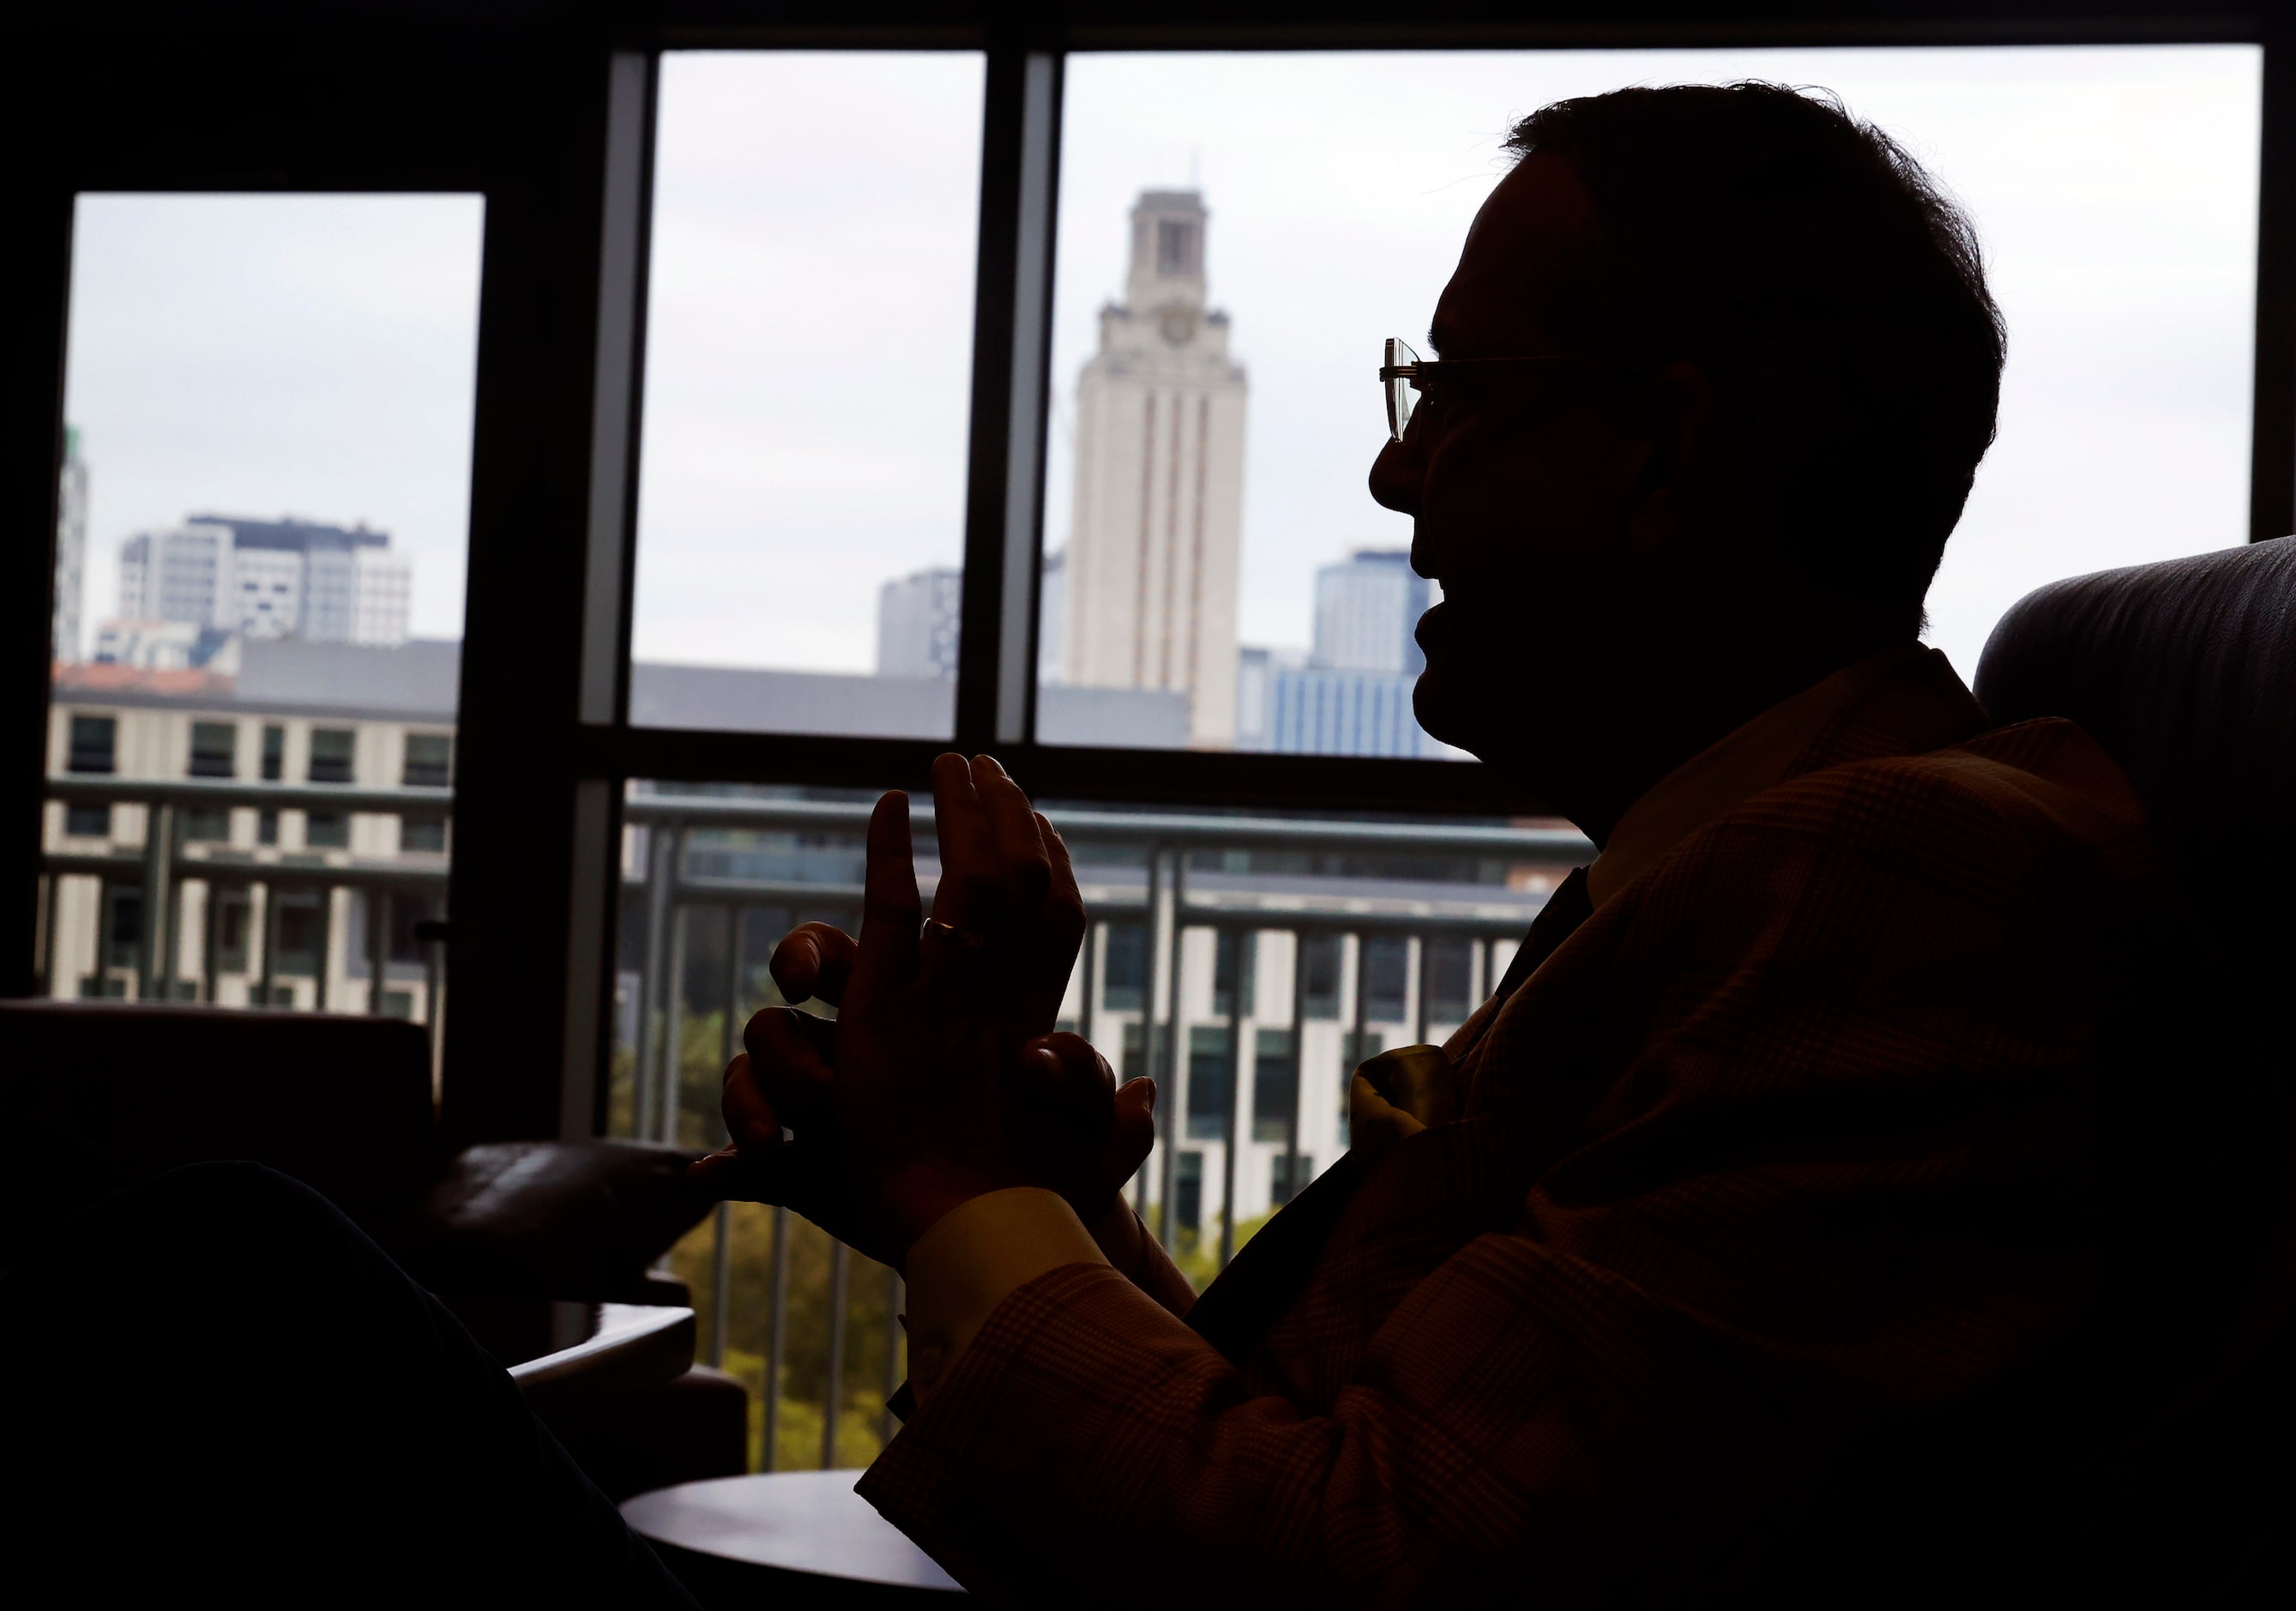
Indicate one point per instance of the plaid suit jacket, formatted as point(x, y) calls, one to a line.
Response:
point(1801, 1160)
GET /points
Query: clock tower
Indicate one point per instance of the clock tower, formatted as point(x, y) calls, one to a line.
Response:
point(1155, 543)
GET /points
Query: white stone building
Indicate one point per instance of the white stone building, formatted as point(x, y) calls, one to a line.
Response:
point(1155, 544)
point(71, 551)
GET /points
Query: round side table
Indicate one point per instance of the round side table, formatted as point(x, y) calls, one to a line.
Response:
point(783, 1539)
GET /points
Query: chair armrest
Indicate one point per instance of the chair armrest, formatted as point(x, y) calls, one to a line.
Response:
point(570, 1220)
point(633, 1350)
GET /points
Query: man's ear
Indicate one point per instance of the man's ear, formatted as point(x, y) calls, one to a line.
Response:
point(1674, 424)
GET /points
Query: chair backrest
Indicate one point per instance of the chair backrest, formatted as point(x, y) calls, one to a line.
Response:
point(102, 1095)
point(2184, 671)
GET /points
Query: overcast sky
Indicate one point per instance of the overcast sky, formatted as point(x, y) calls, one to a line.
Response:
point(2115, 189)
point(278, 354)
point(811, 325)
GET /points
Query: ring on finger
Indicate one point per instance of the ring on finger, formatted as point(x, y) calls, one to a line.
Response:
point(948, 933)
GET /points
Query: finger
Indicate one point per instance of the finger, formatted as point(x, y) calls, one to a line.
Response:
point(1064, 914)
point(750, 1119)
point(813, 962)
point(788, 1067)
point(886, 956)
point(747, 1176)
point(1065, 1073)
point(820, 1034)
point(1023, 866)
point(1132, 1134)
point(966, 898)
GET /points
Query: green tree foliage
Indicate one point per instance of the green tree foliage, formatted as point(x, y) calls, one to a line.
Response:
point(869, 1332)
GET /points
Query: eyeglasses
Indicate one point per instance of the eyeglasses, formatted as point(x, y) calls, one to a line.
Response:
point(1402, 373)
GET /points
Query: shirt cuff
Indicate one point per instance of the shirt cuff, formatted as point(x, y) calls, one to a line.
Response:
point(973, 1258)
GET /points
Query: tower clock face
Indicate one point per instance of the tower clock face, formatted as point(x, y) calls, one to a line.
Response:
point(1178, 325)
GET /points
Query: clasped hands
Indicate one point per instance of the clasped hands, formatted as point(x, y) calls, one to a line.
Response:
point(940, 1078)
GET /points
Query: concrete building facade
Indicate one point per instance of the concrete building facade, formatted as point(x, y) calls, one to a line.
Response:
point(71, 551)
point(917, 620)
point(1155, 543)
point(267, 579)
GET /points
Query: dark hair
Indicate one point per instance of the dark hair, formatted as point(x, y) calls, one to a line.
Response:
point(1837, 299)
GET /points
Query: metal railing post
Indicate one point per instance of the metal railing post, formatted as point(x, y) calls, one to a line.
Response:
point(841, 1273)
point(1238, 1126)
point(1355, 1051)
point(210, 937)
point(721, 1282)
point(1150, 915)
point(323, 965)
point(1175, 1068)
point(54, 907)
point(378, 949)
point(661, 865)
point(1419, 977)
point(150, 980)
point(776, 1339)
point(895, 1295)
point(1298, 1064)
point(673, 1027)
point(269, 936)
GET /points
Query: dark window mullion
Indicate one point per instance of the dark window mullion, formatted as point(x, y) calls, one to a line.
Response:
point(1004, 469)
point(2272, 478)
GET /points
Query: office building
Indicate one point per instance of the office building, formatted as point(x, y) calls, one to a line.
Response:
point(270, 579)
point(1351, 693)
point(1154, 547)
point(917, 618)
point(1053, 617)
point(1366, 607)
point(71, 550)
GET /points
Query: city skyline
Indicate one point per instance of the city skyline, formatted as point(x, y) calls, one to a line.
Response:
point(316, 352)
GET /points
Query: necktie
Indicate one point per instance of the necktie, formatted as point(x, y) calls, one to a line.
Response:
point(1236, 1310)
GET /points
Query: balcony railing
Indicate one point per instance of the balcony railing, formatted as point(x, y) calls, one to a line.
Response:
point(184, 947)
point(1246, 962)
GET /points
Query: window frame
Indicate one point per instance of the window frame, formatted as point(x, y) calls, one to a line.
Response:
point(552, 121)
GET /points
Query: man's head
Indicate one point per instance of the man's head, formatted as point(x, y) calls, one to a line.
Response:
point(1798, 371)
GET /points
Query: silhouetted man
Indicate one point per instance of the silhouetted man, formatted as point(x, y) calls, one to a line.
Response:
point(1772, 1231)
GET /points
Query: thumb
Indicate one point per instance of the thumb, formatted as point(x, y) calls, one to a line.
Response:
point(1132, 1136)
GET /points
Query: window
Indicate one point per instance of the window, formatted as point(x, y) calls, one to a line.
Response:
point(1236, 960)
point(94, 744)
point(428, 758)
point(1386, 980)
point(1320, 963)
point(266, 476)
point(332, 749)
point(1126, 968)
point(801, 512)
point(299, 931)
point(1188, 1193)
point(1210, 1104)
point(214, 746)
point(1275, 1086)
point(1220, 283)
point(263, 526)
point(1449, 966)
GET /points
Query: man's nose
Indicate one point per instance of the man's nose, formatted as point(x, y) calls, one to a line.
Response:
point(1396, 475)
